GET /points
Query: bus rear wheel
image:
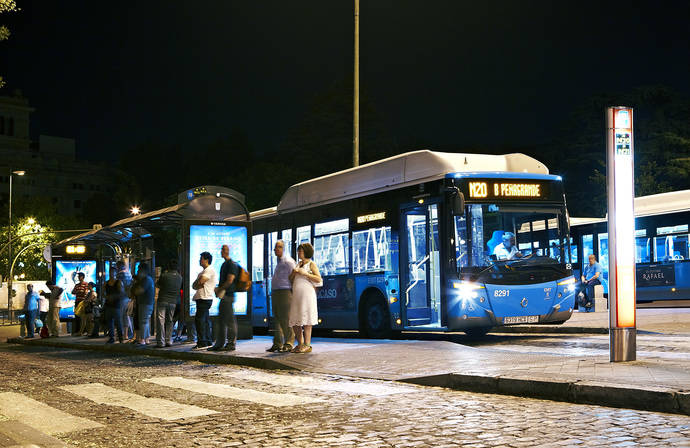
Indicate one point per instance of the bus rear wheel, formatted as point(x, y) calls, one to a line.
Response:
point(477, 331)
point(375, 320)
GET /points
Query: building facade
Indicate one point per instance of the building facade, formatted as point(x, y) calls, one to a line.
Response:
point(52, 169)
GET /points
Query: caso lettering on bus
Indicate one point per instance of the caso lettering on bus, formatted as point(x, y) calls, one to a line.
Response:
point(505, 190)
point(327, 293)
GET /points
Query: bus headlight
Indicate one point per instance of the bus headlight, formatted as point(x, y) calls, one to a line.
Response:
point(569, 284)
point(467, 291)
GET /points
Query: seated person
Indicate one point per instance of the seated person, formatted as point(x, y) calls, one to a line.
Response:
point(507, 250)
point(590, 278)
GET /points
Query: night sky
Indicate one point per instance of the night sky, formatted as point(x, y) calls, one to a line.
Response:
point(115, 74)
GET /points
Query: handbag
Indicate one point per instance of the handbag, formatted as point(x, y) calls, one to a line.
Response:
point(79, 310)
point(317, 285)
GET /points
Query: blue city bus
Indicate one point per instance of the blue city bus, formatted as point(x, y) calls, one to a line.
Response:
point(662, 248)
point(409, 243)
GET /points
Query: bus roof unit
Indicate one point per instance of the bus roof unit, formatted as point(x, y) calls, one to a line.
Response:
point(400, 171)
point(654, 204)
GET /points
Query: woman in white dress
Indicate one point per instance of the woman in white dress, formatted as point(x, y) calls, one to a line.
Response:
point(303, 313)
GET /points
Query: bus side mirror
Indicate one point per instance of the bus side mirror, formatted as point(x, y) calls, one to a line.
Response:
point(458, 203)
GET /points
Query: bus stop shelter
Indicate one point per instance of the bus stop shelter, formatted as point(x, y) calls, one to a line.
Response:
point(197, 223)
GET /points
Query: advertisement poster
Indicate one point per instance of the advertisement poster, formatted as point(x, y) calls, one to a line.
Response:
point(66, 277)
point(210, 238)
point(656, 275)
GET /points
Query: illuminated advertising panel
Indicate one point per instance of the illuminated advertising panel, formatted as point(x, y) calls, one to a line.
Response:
point(210, 238)
point(66, 277)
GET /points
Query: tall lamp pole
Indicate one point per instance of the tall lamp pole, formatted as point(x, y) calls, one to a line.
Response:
point(355, 139)
point(9, 233)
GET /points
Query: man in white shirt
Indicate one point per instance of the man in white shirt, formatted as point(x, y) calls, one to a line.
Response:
point(204, 285)
point(507, 249)
point(281, 297)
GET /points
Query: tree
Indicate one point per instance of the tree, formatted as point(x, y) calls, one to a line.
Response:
point(662, 147)
point(6, 6)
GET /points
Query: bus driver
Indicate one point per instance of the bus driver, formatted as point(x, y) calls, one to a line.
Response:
point(507, 250)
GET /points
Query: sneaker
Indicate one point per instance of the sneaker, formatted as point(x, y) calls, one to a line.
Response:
point(229, 348)
point(286, 348)
point(214, 349)
point(199, 347)
point(274, 348)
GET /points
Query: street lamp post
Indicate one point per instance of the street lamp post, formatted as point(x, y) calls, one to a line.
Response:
point(355, 115)
point(9, 233)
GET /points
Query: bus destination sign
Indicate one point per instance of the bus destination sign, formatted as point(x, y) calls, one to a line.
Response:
point(506, 190)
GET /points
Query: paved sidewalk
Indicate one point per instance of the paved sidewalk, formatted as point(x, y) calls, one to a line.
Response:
point(658, 381)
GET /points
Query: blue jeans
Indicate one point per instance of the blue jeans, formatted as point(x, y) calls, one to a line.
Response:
point(30, 320)
point(144, 317)
point(227, 324)
point(203, 326)
point(113, 319)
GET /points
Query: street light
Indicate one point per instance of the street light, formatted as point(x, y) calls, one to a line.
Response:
point(9, 233)
point(135, 210)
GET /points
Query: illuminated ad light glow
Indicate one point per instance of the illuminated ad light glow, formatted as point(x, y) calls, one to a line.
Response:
point(210, 238)
point(623, 214)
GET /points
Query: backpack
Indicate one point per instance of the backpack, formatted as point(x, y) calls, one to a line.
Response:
point(243, 281)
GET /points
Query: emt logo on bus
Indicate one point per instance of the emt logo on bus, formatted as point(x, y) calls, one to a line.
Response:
point(507, 190)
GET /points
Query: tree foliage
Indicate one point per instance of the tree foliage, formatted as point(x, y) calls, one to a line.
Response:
point(662, 147)
point(6, 6)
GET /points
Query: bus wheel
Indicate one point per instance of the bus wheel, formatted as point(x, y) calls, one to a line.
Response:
point(375, 321)
point(477, 331)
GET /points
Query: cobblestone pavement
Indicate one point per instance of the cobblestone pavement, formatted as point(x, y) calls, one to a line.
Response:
point(245, 407)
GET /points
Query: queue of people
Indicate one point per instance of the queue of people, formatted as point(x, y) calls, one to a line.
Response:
point(126, 306)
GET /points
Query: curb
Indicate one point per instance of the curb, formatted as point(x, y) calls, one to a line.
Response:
point(580, 392)
point(128, 349)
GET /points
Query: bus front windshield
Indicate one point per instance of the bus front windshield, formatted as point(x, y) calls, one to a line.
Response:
point(508, 237)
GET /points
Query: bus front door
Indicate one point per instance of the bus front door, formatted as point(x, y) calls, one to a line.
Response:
point(420, 269)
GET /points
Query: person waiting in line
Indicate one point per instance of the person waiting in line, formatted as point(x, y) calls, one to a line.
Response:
point(281, 298)
point(169, 284)
point(303, 309)
point(53, 308)
point(507, 250)
point(80, 290)
point(590, 278)
point(125, 277)
point(90, 301)
point(144, 291)
point(30, 310)
point(114, 293)
point(226, 332)
point(204, 285)
point(43, 307)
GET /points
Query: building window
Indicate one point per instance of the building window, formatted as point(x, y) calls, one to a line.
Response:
point(77, 203)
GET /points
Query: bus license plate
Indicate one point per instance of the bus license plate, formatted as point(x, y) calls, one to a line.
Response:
point(521, 319)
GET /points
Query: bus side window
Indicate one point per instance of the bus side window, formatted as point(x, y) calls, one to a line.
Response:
point(286, 236)
point(371, 250)
point(303, 236)
point(258, 258)
point(671, 248)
